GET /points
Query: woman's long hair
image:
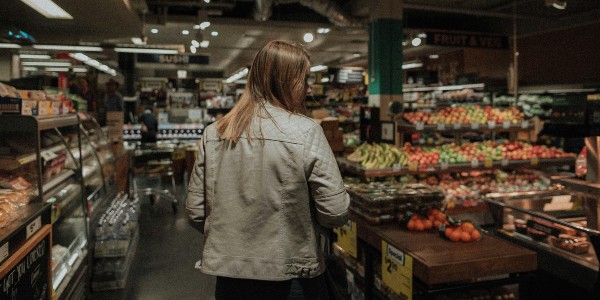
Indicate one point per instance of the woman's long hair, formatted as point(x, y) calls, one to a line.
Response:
point(278, 75)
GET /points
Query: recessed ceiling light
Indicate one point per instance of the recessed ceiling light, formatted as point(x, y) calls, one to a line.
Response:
point(214, 33)
point(192, 49)
point(185, 32)
point(323, 30)
point(196, 26)
point(137, 41)
point(204, 25)
point(356, 54)
point(195, 43)
point(207, 1)
point(204, 44)
point(154, 30)
point(308, 37)
point(422, 35)
point(416, 42)
point(434, 56)
point(48, 9)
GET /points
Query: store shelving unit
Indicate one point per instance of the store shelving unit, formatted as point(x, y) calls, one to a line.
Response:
point(46, 152)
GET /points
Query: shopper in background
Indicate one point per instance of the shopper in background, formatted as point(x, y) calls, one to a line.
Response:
point(149, 126)
point(264, 182)
point(113, 101)
point(87, 94)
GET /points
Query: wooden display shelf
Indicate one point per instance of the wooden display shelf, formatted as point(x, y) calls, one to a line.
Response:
point(439, 261)
point(357, 169)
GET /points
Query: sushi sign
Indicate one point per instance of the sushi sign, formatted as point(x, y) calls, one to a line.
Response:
point(176, 59)
point(467, 40)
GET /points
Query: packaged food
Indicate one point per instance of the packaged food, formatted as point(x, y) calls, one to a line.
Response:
point(573, 244)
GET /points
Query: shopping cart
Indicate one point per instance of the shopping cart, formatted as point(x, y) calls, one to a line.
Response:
point(150, 164)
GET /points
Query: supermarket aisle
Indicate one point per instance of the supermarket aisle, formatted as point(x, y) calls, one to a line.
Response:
point(163, 267)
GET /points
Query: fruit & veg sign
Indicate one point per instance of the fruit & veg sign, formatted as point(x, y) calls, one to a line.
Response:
point(346, 238)
point(396, 270)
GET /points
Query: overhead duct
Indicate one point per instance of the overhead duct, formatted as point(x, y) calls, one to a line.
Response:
point(263, 9)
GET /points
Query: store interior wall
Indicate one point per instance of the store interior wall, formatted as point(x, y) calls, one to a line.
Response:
point(561, 57)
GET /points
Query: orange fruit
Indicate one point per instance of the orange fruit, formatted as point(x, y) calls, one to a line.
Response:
point(465, 237)
point(428, 224)
point(437, 224)
point(420, 226)
point(455, 236)
point(448, 231)
point(411, 225)
point(468, 227)
point(475, 235)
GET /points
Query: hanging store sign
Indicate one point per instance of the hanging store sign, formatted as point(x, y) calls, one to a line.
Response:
point(467, 40)
point(175, 59)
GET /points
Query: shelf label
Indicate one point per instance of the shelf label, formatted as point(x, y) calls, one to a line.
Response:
point(525, 124)
point(48, 155)
point(504, 162)
point(441, 126)
point(397, 270)
point(346, 238)
point(456, 126)
point(33, 227)
point(491, 124)
point(444, 165)
point(535, 161)
point(506, 124)
point(488, 163)
point(413, 166)
point(474, 125)
point(4, 252)
point(396, 167)
point(474, 163)
point(420, 126)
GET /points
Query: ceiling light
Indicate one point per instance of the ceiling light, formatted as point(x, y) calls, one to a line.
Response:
point(412, 65)
point(195, 43)
point(185, 32)
point(237, 76)
point(404, 43)
point(204, 25)
point(192, 49)
point(80, 70)
point(30, 69)
point(137, 41)
point(324, 79)
point(48, 9)
point(181, 74)
point(557, 4)
point(34, 56)
point(12, 46)
point(308, 37)
point(79, 56)
point(204, 44)
point(207, 1)
point(47, 63)
point(196, 26)
point(214, 33)
point(434, 56)
point(318, 68)
point(68, 48)
point(154, 30)
point(356, 54)
point(103, 68)
point(323, 30)
point(422, 35)
point(57, 69)
point(146, 50)
point(416, 42)
point(92, 62)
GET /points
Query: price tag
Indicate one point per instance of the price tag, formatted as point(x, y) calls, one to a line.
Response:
point(506, 124)
point(397, 270)
point(420, 126)
point(413, 166)
point(474, 125)
point(504, 162)
point(396, 167)
point(488, 163)
point(456, 126)
point(346, 238)
point(474, 163)
point(421, 141)
point(535, 161)
point(525, 124)
point(444, 165)
point(48, 155)
point(4, 252)
point(430, 141)
point(441, 126)
point(33, 227)
point(491, 124)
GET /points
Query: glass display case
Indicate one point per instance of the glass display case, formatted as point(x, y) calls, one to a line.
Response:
point(40, 165)
point(562, 229)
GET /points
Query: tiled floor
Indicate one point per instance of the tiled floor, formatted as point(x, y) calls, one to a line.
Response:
point(163, 267)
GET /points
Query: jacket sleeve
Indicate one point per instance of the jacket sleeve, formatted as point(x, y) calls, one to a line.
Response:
point(195, 204)
point(325, 181)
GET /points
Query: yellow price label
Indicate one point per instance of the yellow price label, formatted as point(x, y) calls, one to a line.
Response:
point(535, 161)
point(346, 238)
point(396, 270)
point(413, 166)
point(488, 163)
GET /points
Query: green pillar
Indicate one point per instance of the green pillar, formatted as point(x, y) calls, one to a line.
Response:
point(385, 55)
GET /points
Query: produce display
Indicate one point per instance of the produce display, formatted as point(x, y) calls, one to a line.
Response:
point(462, 232)
point(380, 156)
point(466, 115)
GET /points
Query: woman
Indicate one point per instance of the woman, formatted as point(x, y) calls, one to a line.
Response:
point(265, 180)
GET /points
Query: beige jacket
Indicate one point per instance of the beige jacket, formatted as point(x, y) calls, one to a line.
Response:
point(260, 204)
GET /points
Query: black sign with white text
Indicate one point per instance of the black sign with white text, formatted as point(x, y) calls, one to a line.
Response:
point(176, 59)
point(467, 40)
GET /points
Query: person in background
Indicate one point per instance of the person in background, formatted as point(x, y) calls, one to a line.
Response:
point(149, 126)
point(264, 182)
point(113, 101)
point(87, 94)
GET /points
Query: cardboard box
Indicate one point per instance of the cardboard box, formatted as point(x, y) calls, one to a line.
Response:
point(114, 122)
point(44, 108)
point(29, 107)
